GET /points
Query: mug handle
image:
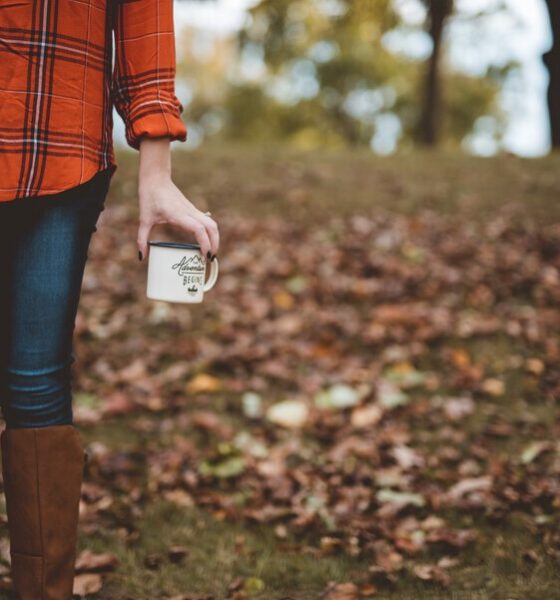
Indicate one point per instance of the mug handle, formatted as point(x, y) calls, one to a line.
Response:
point(212, 278)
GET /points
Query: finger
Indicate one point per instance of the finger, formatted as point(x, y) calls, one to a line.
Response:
point(143, 236)
point(213, 233)
point(196, 227)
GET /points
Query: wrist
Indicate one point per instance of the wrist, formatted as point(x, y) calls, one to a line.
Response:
point(153, 176)
point(155, 159)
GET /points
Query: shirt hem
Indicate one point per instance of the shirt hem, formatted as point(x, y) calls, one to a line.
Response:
point(111, 168)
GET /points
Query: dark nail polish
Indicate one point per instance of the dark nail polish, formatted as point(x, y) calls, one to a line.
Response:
point(139, 255)
point(209, 255)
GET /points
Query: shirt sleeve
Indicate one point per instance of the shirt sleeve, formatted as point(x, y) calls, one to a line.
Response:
point(143, 78)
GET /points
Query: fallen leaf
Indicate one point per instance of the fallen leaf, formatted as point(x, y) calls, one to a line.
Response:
point(400, 498)
point(341, 591)
point(90, 561)
point(366, 416)
point(291, 414)
point(494, 387)
point(337, 397)
point(202, 383)
point(87, 583)
point(534, 450)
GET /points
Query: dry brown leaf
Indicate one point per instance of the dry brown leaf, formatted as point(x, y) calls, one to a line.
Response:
point(341, 591)
point(87, 583)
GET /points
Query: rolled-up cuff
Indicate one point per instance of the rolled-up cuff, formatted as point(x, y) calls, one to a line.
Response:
point(153, 118)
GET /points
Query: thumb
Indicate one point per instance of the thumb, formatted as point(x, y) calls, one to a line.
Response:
point(142, 239)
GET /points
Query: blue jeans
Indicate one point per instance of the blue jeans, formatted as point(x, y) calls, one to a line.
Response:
point(44, 245)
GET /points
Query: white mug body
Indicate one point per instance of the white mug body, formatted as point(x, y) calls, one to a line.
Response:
point(177, 272)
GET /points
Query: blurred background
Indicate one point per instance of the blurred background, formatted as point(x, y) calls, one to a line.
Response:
point(370, 73)
point(366, 404)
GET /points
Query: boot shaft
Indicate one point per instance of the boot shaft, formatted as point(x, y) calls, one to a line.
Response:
point(43, 472)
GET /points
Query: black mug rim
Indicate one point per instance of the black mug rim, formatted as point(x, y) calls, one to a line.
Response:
point(181, 245)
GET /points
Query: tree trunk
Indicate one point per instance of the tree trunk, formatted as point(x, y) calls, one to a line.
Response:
point(552, 63)
point(438, 11)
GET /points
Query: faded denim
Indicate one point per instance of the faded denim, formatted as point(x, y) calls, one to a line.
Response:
point(44, 245)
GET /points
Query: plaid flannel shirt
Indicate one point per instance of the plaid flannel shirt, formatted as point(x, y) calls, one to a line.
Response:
point(58, 86)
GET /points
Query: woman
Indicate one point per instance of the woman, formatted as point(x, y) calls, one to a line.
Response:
point(57, 89)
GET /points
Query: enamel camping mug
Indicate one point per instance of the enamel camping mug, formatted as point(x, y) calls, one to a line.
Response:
point(177, 272)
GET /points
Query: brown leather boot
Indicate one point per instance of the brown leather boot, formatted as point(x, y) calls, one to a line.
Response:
point(43, 470)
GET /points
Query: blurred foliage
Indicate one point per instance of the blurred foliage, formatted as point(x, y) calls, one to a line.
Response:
point(322, 74)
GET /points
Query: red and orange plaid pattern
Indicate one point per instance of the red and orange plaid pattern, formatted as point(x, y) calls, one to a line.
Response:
point(58, 85)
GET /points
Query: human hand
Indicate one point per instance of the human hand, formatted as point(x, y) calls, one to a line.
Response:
point(161, 201)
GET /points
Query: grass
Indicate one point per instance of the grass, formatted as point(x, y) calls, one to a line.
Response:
point(270, 179)
point(218, 554)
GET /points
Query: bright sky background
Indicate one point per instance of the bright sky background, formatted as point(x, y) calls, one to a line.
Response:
point(522, 34)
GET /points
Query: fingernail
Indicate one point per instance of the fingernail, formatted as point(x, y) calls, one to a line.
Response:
point(213, 257)
point(139, 255)
point(209, 255)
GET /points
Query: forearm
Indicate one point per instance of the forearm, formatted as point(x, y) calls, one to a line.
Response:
point(155, 158)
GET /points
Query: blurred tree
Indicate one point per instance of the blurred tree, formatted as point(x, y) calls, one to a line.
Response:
point(552, 63)
point(325, 73)
point(328, 60)
point(438, 13)
point(319, 61)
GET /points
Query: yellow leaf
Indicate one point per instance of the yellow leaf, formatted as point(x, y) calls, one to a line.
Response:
point(460, 358)
point(494, 387)
point(535, 366)
point(283, 300)
point(203, 383)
